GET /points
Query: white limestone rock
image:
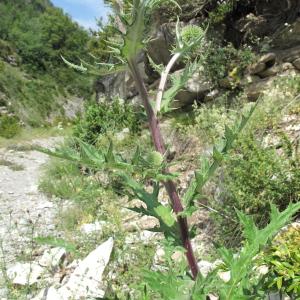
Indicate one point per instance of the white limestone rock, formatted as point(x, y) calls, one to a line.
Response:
point(25, 273)
point(86, 280)
point(92, 227)
point(205, 267)
point(49, 294)
point(225, 276)
point(52, 258)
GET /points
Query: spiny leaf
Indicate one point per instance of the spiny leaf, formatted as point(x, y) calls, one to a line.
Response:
point(80, 68)
point(250, 230)
point(165, 213)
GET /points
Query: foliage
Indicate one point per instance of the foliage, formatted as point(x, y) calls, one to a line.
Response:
point(40, 33)
point(55, 242)
point(33, 36)
point(282, 258)
point(32, 100)
point(255, 176)
point(209, 121)
point(222, 61)
point(243, 283)
point(68, 181)
point(104, 118)
point(221, 11)
point(9, 126)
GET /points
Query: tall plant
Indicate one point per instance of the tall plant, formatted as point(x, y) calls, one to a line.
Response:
point(132, 24)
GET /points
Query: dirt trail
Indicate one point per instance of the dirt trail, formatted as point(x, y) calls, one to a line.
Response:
point(24, 211)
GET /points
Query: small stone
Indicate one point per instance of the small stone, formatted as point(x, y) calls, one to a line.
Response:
point(274, 296)
point(249, 79)
point(269, 72)
point(144, 236)
point(293, 127)
point(268, 59)
point(296, 63)
point(53, 258)
point(205, 267)
point(225, 276)
point(262, 270)
point(159, 255)
point(142, 223)
point(92, 227)
point(25, 273)
point(178, 256)
point(257, 68)
point(212, 95)
point(287, 66)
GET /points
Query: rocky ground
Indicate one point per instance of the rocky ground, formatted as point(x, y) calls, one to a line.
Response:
point(25, 213)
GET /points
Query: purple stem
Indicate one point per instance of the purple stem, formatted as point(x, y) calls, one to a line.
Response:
point(169, 185)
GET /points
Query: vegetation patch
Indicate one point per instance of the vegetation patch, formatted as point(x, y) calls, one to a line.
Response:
point(9, 126)
point(106, 118)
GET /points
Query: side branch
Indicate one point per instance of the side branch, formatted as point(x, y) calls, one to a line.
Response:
point(163, 80)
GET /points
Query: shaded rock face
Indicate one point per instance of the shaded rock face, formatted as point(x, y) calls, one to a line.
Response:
point(260, 18)
point(248, 18)
point(159, 45)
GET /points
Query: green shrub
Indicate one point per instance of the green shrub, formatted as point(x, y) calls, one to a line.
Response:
point(221, 11)
point(102, 118)
point(254, 177)
point(283, 261)
point(221, 61)
point(9, 126)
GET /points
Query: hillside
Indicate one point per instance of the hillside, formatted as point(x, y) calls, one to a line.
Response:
point(35, 85)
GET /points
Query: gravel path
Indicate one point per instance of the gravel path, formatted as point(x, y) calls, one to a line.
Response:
point(24, 211)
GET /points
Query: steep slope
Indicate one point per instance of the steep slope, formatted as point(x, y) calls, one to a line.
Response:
point(34, 83)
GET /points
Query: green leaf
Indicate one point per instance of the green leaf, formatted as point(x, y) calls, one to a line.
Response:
point(188, 212)
point(217, 155)
point(80, 68)
point(250, 230)
point(279, 282)
point(55, 242)
point(165, 213)
point(109, 157)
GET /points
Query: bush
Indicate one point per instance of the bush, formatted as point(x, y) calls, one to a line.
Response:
point(283, 261)
point(222, 61)
point(254, 177)
point(9, 126)
point(100, 119)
